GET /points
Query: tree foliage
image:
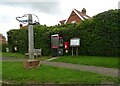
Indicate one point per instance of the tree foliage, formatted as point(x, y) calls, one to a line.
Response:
point(99, 35)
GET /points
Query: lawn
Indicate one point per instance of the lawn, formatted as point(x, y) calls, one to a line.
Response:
point(0, 54)
point(18, 55)
point(110, 62)
point(15, 72)
point(0, 71)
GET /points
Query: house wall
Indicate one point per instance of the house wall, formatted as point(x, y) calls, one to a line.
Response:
point(73, 17)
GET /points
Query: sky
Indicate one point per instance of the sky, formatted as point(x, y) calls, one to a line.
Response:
point(49, 12)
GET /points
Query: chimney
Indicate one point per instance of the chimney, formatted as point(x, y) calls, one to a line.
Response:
point(84, 11)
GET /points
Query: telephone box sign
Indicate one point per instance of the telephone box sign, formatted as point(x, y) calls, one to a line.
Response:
point(75, 42)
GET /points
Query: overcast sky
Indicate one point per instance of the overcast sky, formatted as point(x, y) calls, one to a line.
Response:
point(50, 12)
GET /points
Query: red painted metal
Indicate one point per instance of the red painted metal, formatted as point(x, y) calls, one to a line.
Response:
point(66, 45)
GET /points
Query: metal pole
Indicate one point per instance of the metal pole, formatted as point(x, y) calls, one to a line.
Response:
point(30, 36)
point(72, 51)
point(77, 51)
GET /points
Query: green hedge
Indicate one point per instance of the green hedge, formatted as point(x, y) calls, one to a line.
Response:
point(99, 35)
point(3, 47)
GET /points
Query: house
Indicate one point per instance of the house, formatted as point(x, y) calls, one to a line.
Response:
point(76, 16)
point(2, 39)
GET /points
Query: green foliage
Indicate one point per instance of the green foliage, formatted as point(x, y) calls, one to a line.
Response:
point(107, 31)
point(22, 40)
point(42, 39)
point(3, 47)
point(12, 38)
point(99, 35)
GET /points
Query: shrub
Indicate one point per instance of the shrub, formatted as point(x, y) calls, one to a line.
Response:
point(99, 35)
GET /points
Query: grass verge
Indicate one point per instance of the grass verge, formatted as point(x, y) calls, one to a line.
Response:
point(14, 72)
point(18, 55)
point(110, 62)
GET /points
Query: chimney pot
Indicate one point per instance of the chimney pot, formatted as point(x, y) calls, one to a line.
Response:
point(84, 11)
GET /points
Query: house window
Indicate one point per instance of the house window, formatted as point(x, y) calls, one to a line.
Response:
point(73, 21)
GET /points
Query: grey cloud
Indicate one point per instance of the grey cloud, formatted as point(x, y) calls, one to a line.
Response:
point(46, 7)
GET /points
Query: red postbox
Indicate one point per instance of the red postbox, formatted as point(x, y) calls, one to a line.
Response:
point(66, 45)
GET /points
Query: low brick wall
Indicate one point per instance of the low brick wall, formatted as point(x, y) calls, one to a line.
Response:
point(31, 64)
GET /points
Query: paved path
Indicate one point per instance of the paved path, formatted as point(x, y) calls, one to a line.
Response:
point(100, 70)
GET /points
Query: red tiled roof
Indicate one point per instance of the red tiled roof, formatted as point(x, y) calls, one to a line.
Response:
point(62, 21)
point(82, 15)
